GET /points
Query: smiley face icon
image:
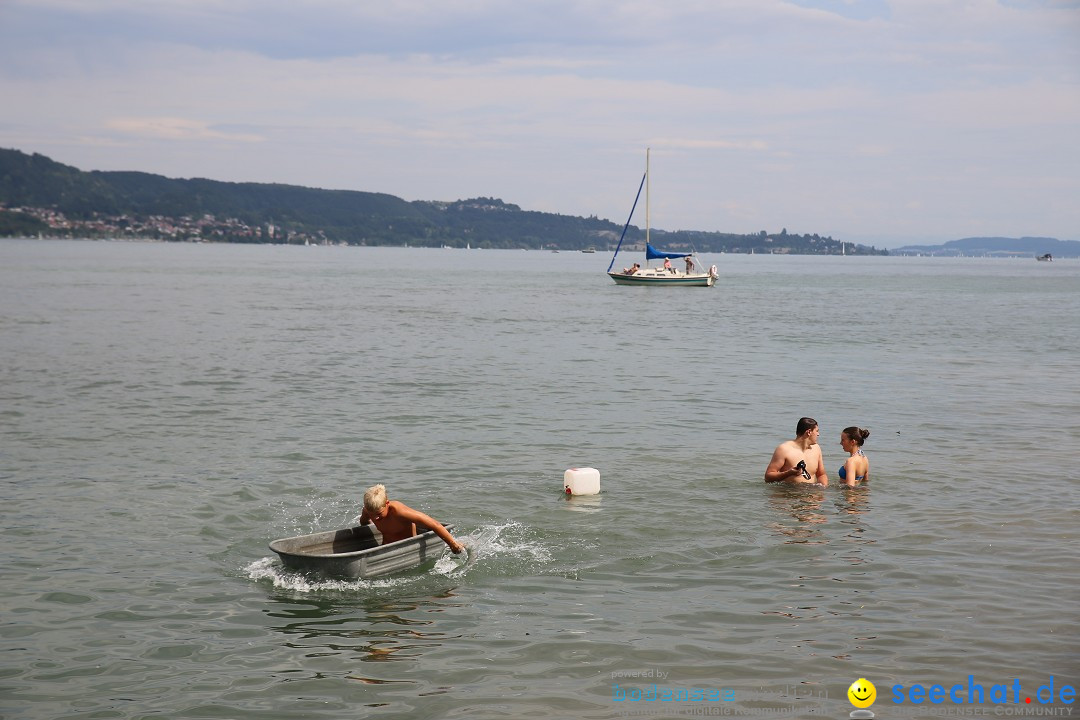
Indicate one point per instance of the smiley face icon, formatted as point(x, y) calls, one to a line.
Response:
point(862, 693)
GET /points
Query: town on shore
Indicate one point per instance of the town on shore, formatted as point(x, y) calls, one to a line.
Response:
point(52, 223)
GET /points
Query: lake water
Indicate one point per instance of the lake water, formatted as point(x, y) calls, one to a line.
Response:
point(168, 409)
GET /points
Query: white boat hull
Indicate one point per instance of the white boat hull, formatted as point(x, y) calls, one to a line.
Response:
point(660, 276)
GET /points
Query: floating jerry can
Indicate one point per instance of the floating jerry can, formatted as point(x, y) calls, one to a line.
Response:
point(582, 481)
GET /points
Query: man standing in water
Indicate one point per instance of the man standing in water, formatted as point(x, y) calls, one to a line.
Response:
point(799, 460)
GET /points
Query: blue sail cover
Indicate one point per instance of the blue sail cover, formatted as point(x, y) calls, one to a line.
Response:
point(652, 253)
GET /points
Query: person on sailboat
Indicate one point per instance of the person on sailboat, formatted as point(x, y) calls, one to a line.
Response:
point(689, 265)
point(631, 270)
point(667, 265)
point(799, 460)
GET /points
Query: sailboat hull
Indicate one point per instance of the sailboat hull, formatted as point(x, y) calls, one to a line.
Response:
point(659, 277)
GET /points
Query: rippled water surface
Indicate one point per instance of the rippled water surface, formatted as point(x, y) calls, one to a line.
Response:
point(167, 410)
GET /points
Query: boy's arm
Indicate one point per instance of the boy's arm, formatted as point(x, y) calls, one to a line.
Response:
point(430, 523)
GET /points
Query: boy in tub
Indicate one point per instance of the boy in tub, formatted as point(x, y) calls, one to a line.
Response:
point(397, 521)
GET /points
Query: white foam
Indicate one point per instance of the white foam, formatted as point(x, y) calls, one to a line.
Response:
point(268, 568)
point(498, 543)
point(313, 514)
point(452, 565)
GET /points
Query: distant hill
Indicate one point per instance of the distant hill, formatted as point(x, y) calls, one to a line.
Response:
point(996, 247)
point(39, 196)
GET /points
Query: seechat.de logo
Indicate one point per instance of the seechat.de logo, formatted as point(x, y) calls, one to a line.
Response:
point(974, 693)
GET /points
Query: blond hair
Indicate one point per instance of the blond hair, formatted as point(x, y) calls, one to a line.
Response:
point(375, 498)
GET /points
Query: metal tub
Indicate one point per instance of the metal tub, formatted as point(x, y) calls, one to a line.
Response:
point(357, 552)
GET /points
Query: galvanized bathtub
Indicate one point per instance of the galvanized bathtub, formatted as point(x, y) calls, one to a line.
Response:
point(357, 552)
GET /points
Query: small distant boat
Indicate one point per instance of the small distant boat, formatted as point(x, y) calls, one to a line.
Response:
point(664, 275)
point(1045, 258)
point(357, 552)
point(589, 249)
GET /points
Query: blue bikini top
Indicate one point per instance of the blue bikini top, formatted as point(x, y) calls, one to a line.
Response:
point(843, 474)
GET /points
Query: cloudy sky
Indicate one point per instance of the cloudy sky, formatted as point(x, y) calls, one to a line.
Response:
point(876, 121)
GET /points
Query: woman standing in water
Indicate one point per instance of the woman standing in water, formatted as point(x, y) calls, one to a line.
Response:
point(856, 468)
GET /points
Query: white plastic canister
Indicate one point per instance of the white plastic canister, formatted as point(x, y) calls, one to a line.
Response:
point(582, 481)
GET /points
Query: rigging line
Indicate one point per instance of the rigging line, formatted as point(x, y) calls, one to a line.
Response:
point(627, 225)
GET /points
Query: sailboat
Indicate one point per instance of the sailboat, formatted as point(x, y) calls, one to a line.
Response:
point(663, 274)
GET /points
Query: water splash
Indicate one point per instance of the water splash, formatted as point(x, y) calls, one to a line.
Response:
point(312, 514)
point(456, 566)
point(506, 540)
point(495, 547)
point(269, 568)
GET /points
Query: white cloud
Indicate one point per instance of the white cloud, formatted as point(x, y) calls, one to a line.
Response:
point(173, 128)
point(822, 116)
point(874, 150)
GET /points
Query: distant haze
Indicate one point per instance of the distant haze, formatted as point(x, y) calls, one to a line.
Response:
point(883, 122)
point(997, 246)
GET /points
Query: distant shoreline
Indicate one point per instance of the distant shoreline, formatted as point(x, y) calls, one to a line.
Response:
point(1018, 255)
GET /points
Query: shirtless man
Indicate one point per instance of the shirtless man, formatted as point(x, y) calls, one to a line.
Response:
point(784, 466)
point(397, 521)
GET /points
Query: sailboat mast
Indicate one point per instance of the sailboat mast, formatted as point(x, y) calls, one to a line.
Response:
point(647, 150)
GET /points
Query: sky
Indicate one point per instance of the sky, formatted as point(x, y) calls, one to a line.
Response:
point(883, 122)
